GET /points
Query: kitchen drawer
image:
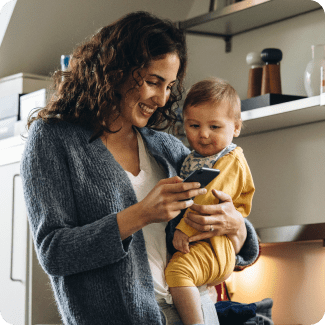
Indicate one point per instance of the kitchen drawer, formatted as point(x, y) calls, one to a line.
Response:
point(7, 127)
point(9, 106)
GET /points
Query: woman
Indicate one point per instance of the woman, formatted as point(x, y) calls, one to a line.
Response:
point(100, 184)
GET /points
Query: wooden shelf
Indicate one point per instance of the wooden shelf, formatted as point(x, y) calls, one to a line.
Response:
point(244, 16)
point(280, 116)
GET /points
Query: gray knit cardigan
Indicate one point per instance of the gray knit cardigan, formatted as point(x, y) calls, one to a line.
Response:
point(73, 190)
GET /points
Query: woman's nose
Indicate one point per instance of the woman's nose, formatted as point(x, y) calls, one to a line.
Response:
point(161, 97)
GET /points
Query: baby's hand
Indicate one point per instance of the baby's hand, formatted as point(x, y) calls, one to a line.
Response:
point(181, 242)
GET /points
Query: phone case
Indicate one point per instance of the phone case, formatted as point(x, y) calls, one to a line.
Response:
point(204, 176)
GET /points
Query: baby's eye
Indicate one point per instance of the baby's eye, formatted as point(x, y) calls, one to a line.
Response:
point(214, 127)
point(194, 126)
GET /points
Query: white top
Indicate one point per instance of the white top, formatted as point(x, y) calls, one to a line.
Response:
point(154, 234)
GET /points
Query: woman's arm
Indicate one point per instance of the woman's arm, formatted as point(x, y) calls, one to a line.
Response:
point(163, 203)
point(64, 244)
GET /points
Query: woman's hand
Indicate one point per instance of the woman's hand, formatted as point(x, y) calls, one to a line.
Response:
point(163, 203)
point(167, 199)
point(181, 241)
point(217, 220)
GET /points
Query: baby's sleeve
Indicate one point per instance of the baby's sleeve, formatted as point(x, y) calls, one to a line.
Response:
point(185, 228)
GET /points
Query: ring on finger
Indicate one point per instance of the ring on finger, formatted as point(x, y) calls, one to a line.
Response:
point(211, 228)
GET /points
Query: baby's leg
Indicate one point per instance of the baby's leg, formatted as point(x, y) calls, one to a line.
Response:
point(203, 265)
point(184, 274)
point(187, 301)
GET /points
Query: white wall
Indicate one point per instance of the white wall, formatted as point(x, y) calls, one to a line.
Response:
point(294, 37)
point(287, 167)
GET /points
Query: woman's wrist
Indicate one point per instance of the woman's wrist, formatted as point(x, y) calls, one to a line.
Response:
point(131, 220)
point(239, 233)
point(242, 232)
point(239, 238)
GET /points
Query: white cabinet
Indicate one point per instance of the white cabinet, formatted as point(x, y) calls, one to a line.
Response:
point(13, 246)
point(25, 294)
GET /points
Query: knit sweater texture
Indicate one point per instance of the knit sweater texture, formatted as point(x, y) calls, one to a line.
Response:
point(73, 190)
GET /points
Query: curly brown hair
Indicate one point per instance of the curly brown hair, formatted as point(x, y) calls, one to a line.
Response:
point(87, 93)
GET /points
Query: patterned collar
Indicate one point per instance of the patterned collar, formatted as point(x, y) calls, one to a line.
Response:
point(196, 161)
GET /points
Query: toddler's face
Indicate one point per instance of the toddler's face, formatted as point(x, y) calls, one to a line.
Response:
point(209, 127)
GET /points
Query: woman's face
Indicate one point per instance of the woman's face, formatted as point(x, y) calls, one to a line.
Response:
point(140, 102)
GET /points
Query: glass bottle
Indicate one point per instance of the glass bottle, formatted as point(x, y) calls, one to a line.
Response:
point(312, 78)
point(65, 62)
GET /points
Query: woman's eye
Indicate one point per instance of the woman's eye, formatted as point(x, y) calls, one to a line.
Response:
point(151, 83)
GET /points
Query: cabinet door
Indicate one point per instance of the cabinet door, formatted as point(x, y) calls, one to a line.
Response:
point(13, 246)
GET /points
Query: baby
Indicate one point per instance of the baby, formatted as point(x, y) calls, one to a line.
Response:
point(212, 118)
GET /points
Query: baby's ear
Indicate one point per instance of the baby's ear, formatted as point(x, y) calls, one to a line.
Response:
point(237, 128)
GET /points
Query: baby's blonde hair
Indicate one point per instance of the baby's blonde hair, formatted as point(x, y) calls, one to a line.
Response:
point(214, 90)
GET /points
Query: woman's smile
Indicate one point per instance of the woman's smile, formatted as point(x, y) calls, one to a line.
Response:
point(147, 110)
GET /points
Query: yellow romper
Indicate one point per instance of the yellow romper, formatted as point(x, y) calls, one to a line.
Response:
point(213, 260)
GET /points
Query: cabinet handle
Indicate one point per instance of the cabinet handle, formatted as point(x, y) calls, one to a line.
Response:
point(12, 229)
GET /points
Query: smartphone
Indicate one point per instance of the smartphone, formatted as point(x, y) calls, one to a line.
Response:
point(203, 175)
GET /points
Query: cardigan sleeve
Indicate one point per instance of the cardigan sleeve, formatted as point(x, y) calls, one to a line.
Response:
point(63, 246)
point(251, 249)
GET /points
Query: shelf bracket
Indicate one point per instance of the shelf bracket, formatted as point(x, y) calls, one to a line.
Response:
point(212, 6)
point(228, 43)
point(227, 38)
